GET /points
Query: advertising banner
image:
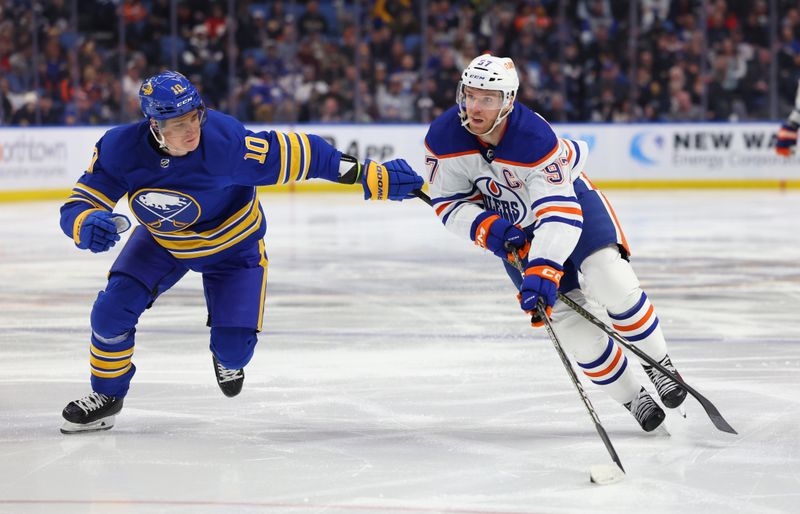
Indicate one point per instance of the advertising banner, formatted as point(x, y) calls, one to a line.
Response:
point(53, 158)
point(685, 152)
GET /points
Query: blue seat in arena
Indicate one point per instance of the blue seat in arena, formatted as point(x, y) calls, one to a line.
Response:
point(262, 8)
point(411, 42)
point(257, 53)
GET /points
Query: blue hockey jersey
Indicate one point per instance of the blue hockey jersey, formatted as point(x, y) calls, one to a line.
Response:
point(201, 205)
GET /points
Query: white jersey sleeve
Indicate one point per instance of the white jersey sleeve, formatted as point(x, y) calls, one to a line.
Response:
point(557, 215)
point(457, 201)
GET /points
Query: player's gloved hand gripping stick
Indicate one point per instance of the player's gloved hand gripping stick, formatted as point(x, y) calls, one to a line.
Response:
point(711, 410)
point(392, 180)
point(98, 230)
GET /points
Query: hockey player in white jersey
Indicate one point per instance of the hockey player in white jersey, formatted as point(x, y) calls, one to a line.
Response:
point(500, 176)
point(787, 135)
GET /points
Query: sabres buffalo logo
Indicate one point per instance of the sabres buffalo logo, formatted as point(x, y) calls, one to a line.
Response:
point(163, 210)
point(147, 89)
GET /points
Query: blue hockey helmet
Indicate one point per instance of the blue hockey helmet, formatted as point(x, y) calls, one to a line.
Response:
point(168, 95)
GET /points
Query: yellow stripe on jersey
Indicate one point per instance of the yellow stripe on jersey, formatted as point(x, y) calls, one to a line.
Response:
point(90, 169)
point(232, 220)
point(306, 155)
point(76, 198)
point(294, 157)
point(199, 242)
point(193, 254)
point(94, 194)
point(282, 142)
point(194, 248)
point(230, 229)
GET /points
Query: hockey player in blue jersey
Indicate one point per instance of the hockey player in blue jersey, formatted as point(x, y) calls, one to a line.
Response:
point(500, 176)
point(190, 175)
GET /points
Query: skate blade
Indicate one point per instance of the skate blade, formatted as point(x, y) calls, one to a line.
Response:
point(661, 430)
point(74, 428)
point(682, 410)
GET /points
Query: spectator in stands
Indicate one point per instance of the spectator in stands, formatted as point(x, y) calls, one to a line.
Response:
point(312, 21)
point(570, 63)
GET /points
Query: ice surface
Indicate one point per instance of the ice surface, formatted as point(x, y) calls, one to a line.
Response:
point(396, 373)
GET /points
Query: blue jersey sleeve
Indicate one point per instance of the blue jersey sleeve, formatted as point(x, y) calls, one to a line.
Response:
point(96, 189)
point(272, 157)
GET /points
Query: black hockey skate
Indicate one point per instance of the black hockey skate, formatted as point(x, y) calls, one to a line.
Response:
point(91, 413)
point(229, 380)
point(672, 395)
point(646, 411)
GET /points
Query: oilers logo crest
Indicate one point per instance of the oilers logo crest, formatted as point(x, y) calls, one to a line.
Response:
point(502, 199)
point(163, 210)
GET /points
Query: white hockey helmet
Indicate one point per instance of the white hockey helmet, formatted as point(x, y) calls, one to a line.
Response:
point(492, 73)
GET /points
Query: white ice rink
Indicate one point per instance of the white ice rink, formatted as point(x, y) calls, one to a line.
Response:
point(396, 373)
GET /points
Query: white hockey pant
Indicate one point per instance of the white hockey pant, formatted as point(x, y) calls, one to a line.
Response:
point(599, 358)
point(609, 280)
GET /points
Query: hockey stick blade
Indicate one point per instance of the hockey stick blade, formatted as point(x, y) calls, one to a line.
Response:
point(710, 408)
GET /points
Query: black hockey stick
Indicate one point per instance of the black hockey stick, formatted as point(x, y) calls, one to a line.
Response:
point(571, 371)
point(422, 196)
point(711, 410)
point(564, 360)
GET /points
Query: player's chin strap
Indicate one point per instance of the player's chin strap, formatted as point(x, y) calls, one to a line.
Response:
point(159, 137)
point(500, 117)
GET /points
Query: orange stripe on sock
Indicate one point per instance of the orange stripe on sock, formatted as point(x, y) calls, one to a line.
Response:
point(610, 367)
point(639, 323)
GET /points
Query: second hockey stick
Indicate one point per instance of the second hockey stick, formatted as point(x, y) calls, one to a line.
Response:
point(710, 408)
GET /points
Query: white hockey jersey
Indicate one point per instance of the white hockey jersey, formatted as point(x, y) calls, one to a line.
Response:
point(527, 179)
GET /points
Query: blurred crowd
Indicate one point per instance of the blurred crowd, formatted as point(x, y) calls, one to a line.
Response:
point(398, 60)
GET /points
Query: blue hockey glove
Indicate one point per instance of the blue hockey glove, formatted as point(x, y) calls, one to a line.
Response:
point(96, 230)
point(392, 180)
point(497, 235)
point(787, 139)
point(541, 281)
